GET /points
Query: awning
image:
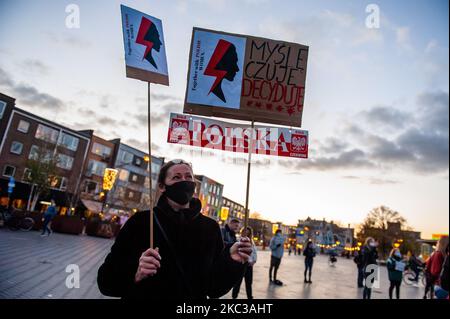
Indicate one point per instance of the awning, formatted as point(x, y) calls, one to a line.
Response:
point(93, 206)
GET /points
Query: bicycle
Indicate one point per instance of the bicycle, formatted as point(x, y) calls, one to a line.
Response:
point(16, 220)
point(409, 275)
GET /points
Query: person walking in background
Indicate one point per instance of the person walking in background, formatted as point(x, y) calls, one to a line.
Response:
point(290, 249)
point(277, 249)
point(48, 216)
point(248, 275)
point(395, 267)
point(309, 254)
point(229, 231)
point(433, 266)
point(359, 265)
point(369, 262)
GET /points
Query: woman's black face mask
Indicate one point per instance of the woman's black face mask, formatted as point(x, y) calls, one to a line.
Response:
point(180, 192)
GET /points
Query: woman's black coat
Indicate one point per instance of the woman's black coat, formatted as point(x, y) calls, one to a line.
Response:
point(208, 268)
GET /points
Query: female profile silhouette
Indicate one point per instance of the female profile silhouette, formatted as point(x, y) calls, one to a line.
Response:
point(223, 64)
point(148, 35)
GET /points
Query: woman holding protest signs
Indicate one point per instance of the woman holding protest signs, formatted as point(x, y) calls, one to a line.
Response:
point(189, 259)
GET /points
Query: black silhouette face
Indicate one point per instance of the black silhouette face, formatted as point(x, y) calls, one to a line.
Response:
point(222, 65)
point(229, 63)
point(153, 36)
point(148, 36)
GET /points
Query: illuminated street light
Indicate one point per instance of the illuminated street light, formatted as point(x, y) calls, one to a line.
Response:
point(224, 213)
point(109, 177)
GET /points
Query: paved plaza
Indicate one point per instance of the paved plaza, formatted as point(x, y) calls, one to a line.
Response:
point(35, 267)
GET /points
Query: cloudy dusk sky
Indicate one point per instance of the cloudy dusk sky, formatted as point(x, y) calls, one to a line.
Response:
point(376, 102)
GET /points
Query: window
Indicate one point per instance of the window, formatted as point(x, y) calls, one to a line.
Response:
point(134, 178)
point(130, 195)
point(155, 167)
point(46, 133)
point(137, 161)
point(23, 126)
point(2, 108)
point(55, 181)
point(90, 187)
point(123, 175)
point(145, 199)
point(63, 186)
point(35, 154)
point(65, 161)
point(101, 150)
point(126, 157)
point(16, 148)
point(68, 141)
point(120, 192)
point(26, 175)
point(96, 168)
point(9, 171)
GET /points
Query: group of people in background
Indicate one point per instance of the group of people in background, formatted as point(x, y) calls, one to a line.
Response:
point(435, 268)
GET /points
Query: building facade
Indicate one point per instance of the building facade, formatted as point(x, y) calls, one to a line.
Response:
point(235, 210)
point(209, 192)
point(325, 234)
point(26, 137)
point(102, 154)
point(131, 189)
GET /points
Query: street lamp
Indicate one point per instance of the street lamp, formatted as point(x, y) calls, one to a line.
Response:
point(109, 178)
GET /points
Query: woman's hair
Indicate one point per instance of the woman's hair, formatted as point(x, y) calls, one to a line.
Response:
point(249, 230)
point(164, 169)
point(368, 239)
point(442, 244)
point(308, 244)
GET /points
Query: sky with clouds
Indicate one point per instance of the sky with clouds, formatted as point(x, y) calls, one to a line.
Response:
point(376, 102)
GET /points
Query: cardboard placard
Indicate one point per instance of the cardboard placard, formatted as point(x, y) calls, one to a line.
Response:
point(246, 78)
point(145, 52)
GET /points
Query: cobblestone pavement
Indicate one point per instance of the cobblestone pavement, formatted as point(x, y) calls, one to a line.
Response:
point(35, 267)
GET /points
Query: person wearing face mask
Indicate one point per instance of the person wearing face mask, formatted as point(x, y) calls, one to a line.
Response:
point(395, 267)
point(190, 259)
point(369, 261)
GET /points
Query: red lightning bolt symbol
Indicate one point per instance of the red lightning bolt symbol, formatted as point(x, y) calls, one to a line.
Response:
point(143, 29)
point(219, 52)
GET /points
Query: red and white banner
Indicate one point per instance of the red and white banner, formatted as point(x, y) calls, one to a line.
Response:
point(266, 140)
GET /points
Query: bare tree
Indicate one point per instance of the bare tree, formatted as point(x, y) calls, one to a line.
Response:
point(376, 225)
point(255, 215)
